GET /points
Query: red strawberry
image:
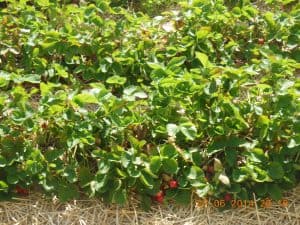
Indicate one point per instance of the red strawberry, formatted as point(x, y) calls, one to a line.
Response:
point(227, 197)
point(173, 184)
point(21, 191)
point(159, 197)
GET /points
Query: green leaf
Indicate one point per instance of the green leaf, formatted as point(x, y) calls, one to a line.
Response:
point(259, 175)
point(231, 157)
point(70, 174)
point(229, 106)
point(197, 157)
point(5, 77)
point(155, 164)
point(116, 80)
point(85, 176)
point(182, 181)
point(104, 166)
point(235, 188)
point(46, 88)
point(120, 196)
point(115, 185)
point(3, 186)
point(274, 191)
point(85, 98)
point(189, 130)
point(194, 173)
point(256, 155)
point(3, 161)
point(43, 3)
point(12, 178)
point(125, 160)
point(48, 44)
point(269, 17)
point(67, 192)
point(183, 197)
point(236, 11)
point(147, 170)
point(176, 61)
point(146, 179)
point(203, 58)
point(52, 155)
point(30, 78)
point(170, 194)
point(203, 32)
point(170, 165)
point(263, 121)
point(154, 66)
point(240, 174)
point(172, 129)
point(168, 151)
point(33, 167)
point(203, 190)
point(133, 171)
point(243, 195)
point(275, 170)
point(60, 70)
point(261, 189)
point(219, 145)
point(100, 181)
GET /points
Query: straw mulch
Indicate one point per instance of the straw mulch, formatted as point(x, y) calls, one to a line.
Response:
point(37, 210)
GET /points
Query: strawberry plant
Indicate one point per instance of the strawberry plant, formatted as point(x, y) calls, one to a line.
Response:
point(106, 101)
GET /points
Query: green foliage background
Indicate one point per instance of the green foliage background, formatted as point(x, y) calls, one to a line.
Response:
point(109, 99)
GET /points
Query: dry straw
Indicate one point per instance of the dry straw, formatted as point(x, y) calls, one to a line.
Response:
point(36, 210)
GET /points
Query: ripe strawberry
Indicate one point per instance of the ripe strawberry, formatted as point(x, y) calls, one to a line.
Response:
point(159, 197)
point(261, 41)
point(227, 197)
point(173, 184)
point(21, 191)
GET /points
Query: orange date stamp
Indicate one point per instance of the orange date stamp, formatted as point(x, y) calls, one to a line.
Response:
point(238, 203)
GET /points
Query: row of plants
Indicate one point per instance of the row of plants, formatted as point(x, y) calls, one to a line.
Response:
point(98, 99)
